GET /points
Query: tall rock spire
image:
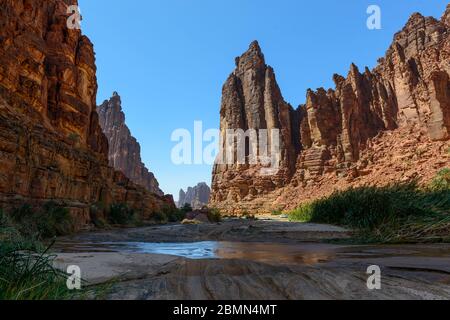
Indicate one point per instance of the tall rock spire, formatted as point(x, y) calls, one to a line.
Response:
point(330, 140)
point(124, 150)
point(197, 197)
point(251, 99)
point(52, 146)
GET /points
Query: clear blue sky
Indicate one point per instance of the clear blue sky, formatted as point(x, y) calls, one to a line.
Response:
point(168, 59)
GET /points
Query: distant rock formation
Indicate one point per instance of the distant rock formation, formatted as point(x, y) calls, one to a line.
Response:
point(364, 131)
point(124, 150)
point(52, 146)
point(197, 196)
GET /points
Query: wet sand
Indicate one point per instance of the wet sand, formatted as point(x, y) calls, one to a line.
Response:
point(241, 260)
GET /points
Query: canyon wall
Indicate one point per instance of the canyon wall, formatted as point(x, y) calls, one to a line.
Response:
point(52, 146)
point(378, 126)
point(197, 196)
point(124, 150)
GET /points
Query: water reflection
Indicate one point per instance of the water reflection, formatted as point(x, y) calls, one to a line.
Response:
point(261, 252)
point(279, 253)
point(194, 250)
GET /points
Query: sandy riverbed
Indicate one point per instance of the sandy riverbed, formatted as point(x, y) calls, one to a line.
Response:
point(253, 260)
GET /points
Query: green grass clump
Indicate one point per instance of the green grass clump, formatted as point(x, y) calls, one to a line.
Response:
point(27, 273)
point(174, 214)
point(48, 221)
point(27, 268)
point(214, 215)
point(171, 214)
point(302, 213)
point(186, 208)
point(97, 215)
point(121, 214)
point(395, 213)
point(160, 217)
point(442, 180)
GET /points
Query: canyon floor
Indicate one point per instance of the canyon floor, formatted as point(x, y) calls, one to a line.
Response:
point(245, 259)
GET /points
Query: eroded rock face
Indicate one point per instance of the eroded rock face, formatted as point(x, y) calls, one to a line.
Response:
point(197, 196)
point(332, 141)
point(124, 150)
point(52, 146)
point(252, 100)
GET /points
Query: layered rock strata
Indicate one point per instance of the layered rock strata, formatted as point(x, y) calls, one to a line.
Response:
point(52, 146)
point(124, 150)
point(342, 137)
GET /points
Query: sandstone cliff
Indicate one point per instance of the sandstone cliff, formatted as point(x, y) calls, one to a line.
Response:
point(388, 124)
point(52, 146)
point(197, 196)
point(124, 150)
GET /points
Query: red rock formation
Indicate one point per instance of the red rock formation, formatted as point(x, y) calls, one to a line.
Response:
point(252, 100)
point(124, 150)
point(333, 141)
point(51, 146)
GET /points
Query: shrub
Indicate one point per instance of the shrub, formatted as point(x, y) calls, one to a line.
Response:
point(170, 214)
point(186, 208)
point(55, 221)
point(380, 213)
point(96, 213)
point(173, 214)
point(302, 213)
point(160, 217)
point(3, 220)
point(214, 215)
point(246, 215)
point(48, 221)
point(121, 214)
point(363, 207)
point(7, 230)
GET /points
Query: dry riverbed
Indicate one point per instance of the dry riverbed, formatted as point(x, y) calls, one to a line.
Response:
point(242, 259)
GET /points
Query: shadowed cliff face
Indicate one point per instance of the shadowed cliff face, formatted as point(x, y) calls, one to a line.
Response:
point(362, 131)
point(52, 146)
point(124, 150)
